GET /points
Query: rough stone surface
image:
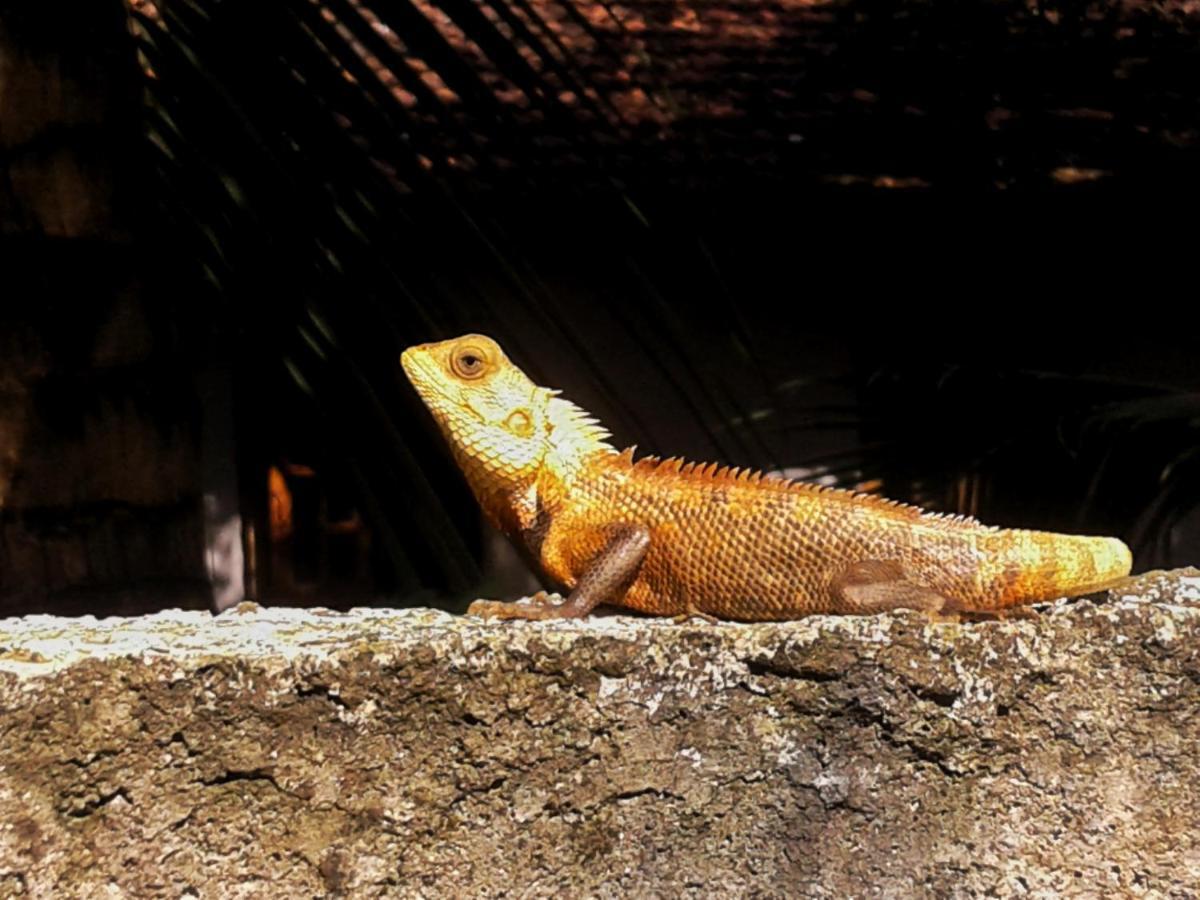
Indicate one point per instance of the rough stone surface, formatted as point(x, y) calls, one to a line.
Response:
point(378, 753)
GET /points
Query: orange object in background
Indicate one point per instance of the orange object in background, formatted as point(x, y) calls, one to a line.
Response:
point(308, 550)
point(280, 499)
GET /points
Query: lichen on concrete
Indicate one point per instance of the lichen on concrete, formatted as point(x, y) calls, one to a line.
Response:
point(281, 752)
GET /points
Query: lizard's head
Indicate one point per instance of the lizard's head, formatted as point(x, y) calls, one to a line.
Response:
point(504, 430)
point(492, 415)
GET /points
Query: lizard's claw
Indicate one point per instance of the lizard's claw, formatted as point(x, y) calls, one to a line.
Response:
point(543, 597)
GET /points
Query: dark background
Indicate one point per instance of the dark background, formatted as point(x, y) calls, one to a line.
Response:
point(939, 251)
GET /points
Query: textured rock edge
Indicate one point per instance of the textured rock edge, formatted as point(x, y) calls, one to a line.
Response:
point(411, 752)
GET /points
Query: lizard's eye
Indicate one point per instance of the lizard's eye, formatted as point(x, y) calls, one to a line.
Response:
point(468, 362)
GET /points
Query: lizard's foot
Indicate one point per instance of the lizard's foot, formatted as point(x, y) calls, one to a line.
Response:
point(494, 609)
point(543, 607)
point(693, 613)
point(1012, 613)
point(942, 618)
point(498, 609)
point(955, 612)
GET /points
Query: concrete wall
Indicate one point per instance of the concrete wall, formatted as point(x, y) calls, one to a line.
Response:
point(381, 753)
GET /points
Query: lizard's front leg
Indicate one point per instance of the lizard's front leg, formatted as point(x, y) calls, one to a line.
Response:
point(607, 578)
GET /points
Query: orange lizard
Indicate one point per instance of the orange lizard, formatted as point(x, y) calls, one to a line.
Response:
point(672, 538)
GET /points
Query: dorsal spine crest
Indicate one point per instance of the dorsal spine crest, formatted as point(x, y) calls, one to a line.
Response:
point(675, 468)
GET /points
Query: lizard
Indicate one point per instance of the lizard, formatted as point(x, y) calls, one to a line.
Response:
point(674, 538)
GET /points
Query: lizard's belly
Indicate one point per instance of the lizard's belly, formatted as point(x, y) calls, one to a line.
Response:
point(739, 582)
point(764, 567)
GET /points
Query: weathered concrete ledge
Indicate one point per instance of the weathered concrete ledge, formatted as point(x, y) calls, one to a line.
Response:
point(289, 753)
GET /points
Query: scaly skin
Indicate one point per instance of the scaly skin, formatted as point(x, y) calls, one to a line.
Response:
point(670, 538)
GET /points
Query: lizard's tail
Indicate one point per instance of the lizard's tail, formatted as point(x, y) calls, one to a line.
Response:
point(1039, 565)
